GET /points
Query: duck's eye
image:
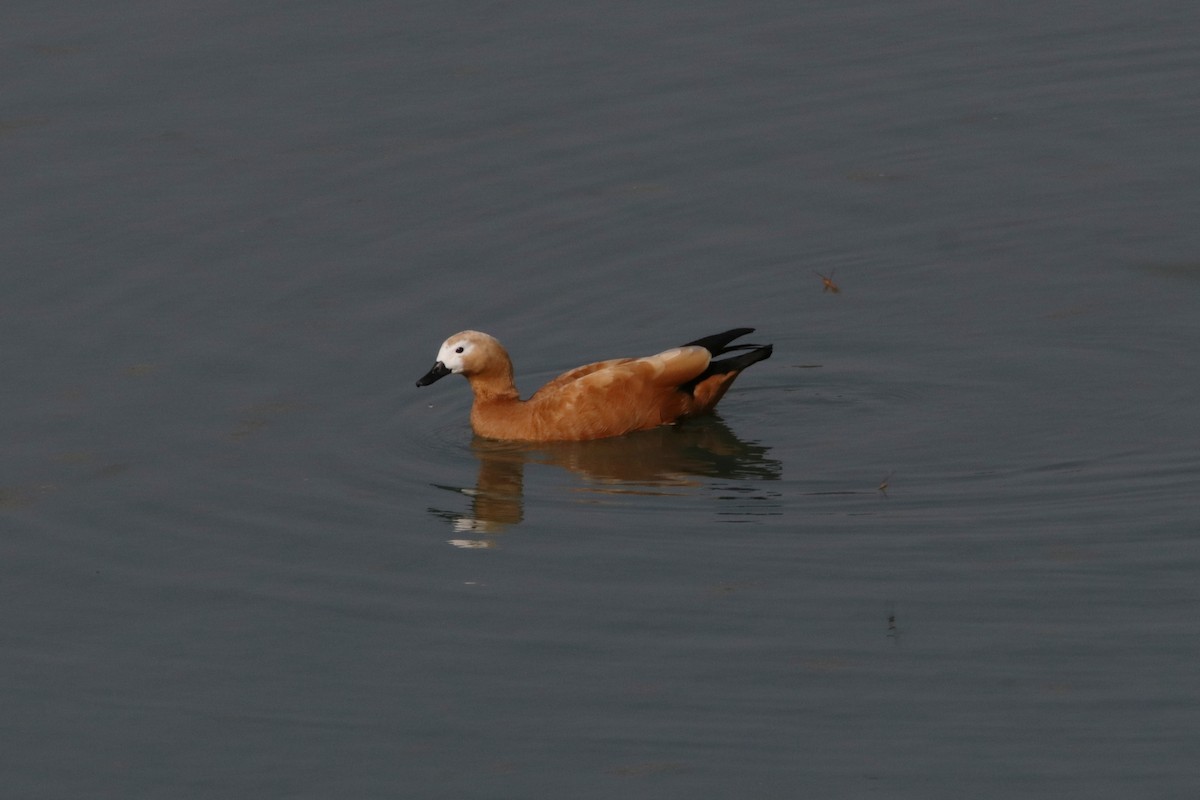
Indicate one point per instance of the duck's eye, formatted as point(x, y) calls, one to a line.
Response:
point(458, 349)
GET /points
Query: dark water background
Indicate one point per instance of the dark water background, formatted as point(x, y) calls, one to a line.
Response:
point(242, 556)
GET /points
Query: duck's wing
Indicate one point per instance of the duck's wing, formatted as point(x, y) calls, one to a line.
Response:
point(616, 397)
point(573, 375)
point(666, 370)
point(672, 368)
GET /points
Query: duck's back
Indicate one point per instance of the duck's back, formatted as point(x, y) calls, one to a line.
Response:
point(607, 398)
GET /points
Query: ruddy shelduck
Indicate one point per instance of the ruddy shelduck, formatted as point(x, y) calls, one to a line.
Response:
point(607, 398)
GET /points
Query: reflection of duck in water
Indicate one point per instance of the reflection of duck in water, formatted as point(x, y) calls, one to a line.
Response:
point(607, 398)
point(656, 461)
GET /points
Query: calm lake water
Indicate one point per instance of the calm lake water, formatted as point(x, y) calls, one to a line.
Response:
point(241, 555)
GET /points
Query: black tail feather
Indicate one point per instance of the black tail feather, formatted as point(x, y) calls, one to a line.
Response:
point(718, 344)
point(761, 352)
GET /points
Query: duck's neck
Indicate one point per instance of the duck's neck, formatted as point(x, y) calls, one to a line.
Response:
point(494, 386)
point(494, 392)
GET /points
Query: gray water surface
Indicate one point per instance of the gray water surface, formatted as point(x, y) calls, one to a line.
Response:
point(942, 544)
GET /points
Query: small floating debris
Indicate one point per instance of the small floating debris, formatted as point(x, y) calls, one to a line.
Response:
point(828, 284)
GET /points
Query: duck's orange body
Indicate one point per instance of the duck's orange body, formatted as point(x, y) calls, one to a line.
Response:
point(608, 398)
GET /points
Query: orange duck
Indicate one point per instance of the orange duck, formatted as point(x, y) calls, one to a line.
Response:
point(608, 398)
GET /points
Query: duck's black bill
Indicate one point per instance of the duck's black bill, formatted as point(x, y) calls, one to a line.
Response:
point(438, 372)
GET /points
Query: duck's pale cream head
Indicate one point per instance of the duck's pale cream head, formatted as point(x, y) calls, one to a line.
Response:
point(461, 354)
